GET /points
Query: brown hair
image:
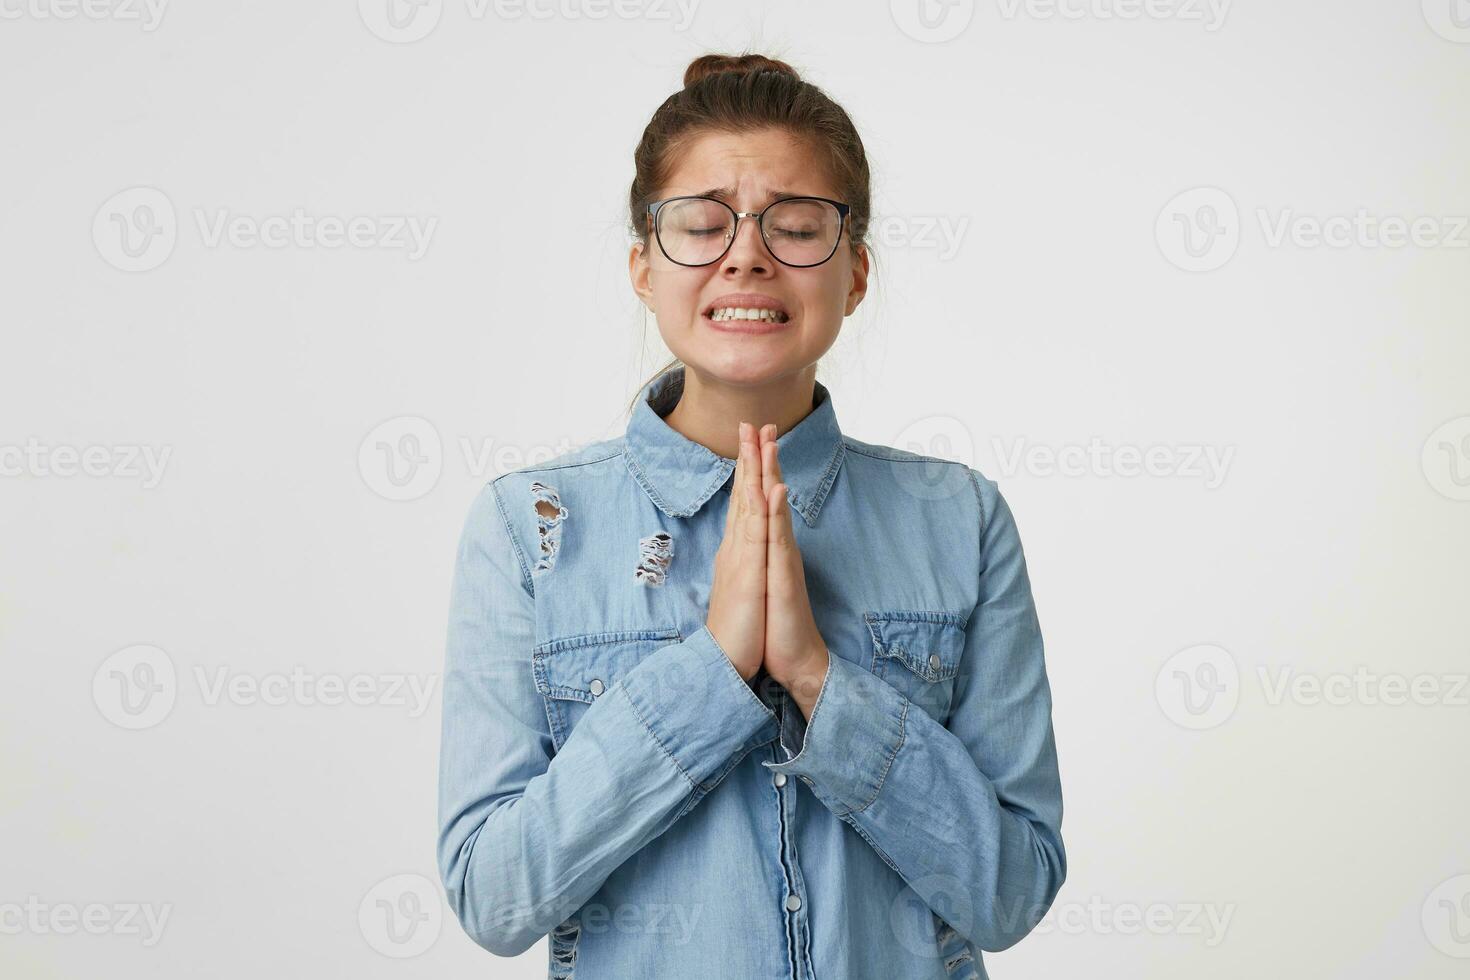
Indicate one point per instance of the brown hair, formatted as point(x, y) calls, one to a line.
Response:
point(738, 93)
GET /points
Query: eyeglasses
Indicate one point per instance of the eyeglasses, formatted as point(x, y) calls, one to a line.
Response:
point(798, 231)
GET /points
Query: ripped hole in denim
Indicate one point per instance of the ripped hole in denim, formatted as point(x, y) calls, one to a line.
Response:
point(655, 553)
point(563, 949)
point(549, 517)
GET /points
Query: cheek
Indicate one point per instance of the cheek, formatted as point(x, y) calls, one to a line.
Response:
point(675, 291)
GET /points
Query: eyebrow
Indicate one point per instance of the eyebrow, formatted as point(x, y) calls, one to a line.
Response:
point(726, 193)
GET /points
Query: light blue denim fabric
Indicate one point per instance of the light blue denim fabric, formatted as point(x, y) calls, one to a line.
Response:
point(608, 779)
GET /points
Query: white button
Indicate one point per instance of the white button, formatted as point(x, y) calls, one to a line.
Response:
point(595, 687)
point(793, 903)
point(933, 661)
point(780, 779)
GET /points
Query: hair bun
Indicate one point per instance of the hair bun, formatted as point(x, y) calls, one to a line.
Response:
point(712, 64)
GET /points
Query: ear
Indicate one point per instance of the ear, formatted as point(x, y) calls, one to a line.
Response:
point(639, 273)
point(859, 280)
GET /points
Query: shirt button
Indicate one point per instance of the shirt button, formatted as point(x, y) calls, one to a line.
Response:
point(780, 779)
point(933, 661)
point(793, 903)
point(595, 687)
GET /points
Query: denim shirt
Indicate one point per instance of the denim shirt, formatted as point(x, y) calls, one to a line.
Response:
point(607, 778)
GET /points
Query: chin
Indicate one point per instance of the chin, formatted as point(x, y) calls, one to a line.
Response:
point(742, 367)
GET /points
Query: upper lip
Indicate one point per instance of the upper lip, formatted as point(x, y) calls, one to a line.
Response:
point(747, 301)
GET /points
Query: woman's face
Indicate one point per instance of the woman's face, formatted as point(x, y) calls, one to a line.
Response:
point(750, 170)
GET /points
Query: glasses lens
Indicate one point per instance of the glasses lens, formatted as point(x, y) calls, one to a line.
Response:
point(694, 231)
point(802, 232)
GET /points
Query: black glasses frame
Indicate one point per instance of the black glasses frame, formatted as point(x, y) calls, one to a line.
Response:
point(842, 212)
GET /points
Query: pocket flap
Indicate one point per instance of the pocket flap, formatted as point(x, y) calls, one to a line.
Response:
point(929, 644)
point(581, 668)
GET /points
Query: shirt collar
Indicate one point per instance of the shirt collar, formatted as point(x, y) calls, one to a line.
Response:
point(679, 474)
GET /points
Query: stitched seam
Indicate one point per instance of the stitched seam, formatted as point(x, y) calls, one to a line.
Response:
point(526, 582)
point(547, 468)
point(902, 735)
point(735, 760)
point(979, 501)
point(745, 684)
point(656, 741)
point(641, 476)
point(871, 843)
point(824, 485)
point(906, 458)
point(821, 696)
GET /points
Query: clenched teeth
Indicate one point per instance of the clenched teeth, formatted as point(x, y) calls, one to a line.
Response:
point(729, 313)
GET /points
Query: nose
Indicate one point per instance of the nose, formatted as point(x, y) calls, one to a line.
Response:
point(748, 250)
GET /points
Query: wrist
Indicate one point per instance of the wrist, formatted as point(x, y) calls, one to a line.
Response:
point(804, 685)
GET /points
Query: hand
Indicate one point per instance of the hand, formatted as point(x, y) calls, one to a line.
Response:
point(795, 654)
point(737, 595)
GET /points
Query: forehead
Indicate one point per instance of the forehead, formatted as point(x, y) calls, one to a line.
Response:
point(751, 167)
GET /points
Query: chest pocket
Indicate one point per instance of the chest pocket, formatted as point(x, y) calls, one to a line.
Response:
point(575, 671)
point(918, 652)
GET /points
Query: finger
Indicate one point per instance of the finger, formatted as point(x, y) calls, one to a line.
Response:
point(781, 558)
point(733, 510)
point(770, 461)
point(767, 447)
point(753, 536)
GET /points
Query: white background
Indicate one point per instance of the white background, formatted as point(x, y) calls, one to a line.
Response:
point(1329, 833)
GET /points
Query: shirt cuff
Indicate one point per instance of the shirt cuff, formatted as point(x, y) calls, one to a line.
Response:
point(697, 707)
point(855, 730)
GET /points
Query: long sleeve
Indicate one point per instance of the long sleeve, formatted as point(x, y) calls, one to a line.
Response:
point(526, 835)
point(969, 814)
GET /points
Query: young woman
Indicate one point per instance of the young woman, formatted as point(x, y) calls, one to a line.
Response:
point(735, 694)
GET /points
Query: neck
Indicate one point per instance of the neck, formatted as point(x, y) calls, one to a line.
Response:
point(709, 412)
